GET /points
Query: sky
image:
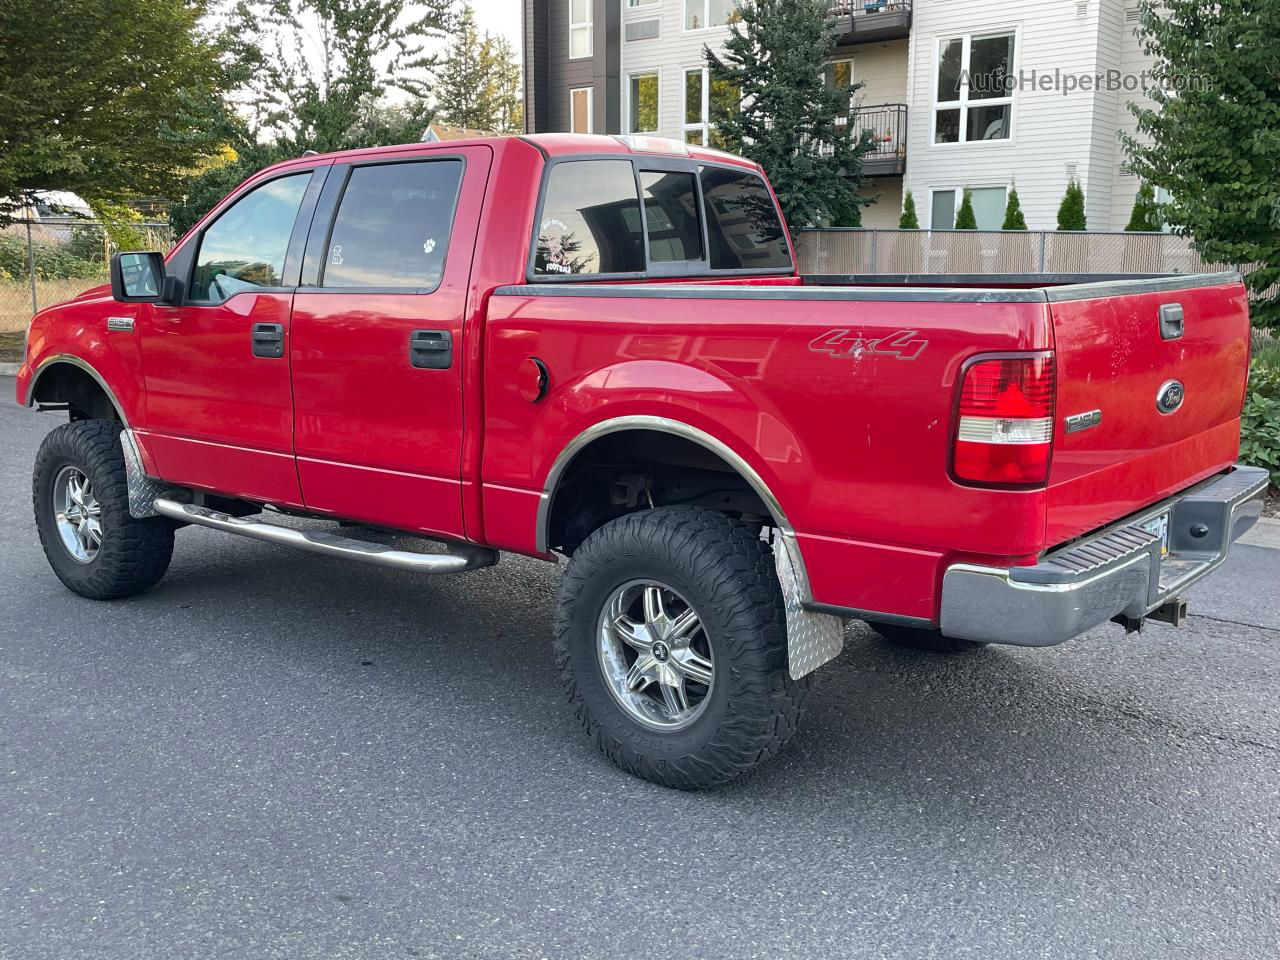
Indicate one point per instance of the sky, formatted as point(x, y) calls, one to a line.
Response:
point(500, 16)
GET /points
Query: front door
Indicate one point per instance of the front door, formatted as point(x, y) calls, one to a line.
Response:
point(378, 340)
point(216, 366)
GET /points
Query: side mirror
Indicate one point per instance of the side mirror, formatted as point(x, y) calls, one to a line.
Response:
point(140, 278)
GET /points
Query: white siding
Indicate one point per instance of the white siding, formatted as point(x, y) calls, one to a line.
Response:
point(673, 52)
point(887, 209)
point(1054, 132)
point(1049, 131)
point(1133, 63)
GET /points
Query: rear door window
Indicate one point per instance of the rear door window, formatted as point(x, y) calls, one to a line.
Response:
point(590, 221)
point(393, 225)
point(743, 226)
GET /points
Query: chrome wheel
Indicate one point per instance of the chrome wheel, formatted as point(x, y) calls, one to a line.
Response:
point(78, 514)
point(655, 656)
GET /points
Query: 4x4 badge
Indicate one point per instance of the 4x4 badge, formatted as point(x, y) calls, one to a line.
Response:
point(846, 343)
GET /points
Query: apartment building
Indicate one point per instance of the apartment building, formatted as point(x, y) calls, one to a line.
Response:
point(983, 94)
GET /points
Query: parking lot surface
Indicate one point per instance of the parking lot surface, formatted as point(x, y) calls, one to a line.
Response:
point(272, 754)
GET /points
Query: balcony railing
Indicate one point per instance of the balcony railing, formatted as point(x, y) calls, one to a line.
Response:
point(887, 123)
point(864, 21)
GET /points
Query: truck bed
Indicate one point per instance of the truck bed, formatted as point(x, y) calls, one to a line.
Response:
point(842, 397)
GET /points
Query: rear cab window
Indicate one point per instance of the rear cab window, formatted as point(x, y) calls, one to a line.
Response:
point(653, 217)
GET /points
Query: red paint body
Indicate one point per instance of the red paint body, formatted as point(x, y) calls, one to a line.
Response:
point(856, 449)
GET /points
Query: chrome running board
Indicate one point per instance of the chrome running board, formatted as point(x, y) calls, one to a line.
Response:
point(459, 558)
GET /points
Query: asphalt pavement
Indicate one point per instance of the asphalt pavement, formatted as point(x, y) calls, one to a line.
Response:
point(273, 754)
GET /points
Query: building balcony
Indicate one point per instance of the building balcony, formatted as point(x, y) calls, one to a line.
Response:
point(887, 123)
point(869, 21)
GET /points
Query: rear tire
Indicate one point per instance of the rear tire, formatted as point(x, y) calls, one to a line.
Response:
point(671, 639)
point(81, 498)
point(919, 638)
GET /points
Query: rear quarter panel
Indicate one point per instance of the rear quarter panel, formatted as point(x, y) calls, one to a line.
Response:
point(851, 437)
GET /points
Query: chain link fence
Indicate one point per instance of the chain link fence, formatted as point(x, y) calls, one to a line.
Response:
point(43, 262)
point(871, 251)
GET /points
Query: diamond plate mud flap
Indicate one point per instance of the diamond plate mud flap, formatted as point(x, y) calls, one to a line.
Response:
point(812, 638)
point(143, 490)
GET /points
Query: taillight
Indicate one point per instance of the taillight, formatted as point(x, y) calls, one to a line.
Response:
point(1005, 433)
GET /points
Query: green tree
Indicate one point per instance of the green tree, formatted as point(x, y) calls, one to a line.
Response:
point(1212, 139)
point(505, 96)
point(909, 220)
point(1071, 214)
point(1013, 218)
point(966, 219)
point(790, 121)
point(109, 101)
point(463, 75)
point(1146, 212)
point(364, 49)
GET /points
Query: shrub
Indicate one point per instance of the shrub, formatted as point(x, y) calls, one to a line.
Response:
point(54, 261)
point(966, 219)
point(909, 220)
point(1260, 424)
point(1071, 214)
point(1146, 212)
point(1013, 216)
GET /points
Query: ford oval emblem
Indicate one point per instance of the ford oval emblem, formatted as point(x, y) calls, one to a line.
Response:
point(1170, 396)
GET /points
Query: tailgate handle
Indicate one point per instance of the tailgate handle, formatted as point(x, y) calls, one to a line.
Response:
point(1171, 325)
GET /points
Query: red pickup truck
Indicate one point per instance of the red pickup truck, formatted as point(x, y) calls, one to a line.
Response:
point(600, 349)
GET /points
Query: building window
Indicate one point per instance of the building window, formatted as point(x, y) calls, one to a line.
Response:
point(974, 96)
point(699, 14)
point(988, 207)
point(580, 44)
point(643, 103)
point(838, 75)
point(706, 103)
point(641, 3)
point(580, 104)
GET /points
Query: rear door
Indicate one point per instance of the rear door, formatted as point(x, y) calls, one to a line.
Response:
point(216, 366)
point(1151, 379)
point(378, 328)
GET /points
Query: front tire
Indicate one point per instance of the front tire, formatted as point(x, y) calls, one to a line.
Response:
point(81, 498)
point(671, 639)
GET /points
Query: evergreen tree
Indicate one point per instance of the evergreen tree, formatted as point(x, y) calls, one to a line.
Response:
point(1013, 218)
point(1213, 142)
point(1146, 212)
point(790, 121)
point(909, 220)
point(966, 219)
point(1071, 214)
point(478, 84)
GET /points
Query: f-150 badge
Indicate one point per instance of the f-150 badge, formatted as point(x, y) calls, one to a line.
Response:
point(854, 346)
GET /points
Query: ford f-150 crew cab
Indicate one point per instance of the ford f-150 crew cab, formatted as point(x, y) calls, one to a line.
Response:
point(600, 349)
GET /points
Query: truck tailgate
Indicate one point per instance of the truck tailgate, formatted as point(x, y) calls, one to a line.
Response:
point(1115, 449)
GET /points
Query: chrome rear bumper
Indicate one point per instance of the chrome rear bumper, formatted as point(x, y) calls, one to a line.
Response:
point(1117, 571)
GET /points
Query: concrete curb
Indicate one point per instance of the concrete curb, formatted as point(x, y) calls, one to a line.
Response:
point(1265, 534)
point(9, 369)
